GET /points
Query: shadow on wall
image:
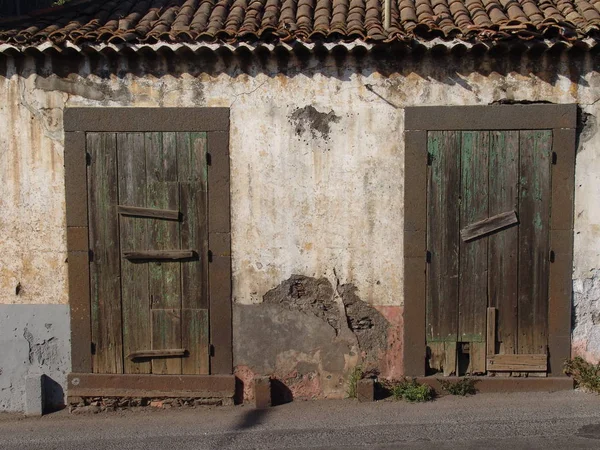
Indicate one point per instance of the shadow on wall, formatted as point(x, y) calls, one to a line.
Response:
point(54, 396)
point(393, 62)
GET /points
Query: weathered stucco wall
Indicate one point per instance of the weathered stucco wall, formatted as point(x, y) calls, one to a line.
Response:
point(317, 181)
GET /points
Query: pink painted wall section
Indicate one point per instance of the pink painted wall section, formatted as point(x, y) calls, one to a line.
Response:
point(391, 363)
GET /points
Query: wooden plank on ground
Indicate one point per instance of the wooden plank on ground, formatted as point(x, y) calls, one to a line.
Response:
point(503, 247)
point(534, 215)
point(148, 212)
point(105, 274)
point(134, 277)
point(166, 335)
point(195, 337)
point(472, 308)
point(488, 226)
point(518, 363)
point(443, 237)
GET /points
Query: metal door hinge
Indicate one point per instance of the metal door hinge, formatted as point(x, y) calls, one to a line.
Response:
point(429, 158)
point(552, 256)
point(88, 159)
point(428, 256)
point(554, 157)
point(91, 255)
point(93, 348)
point(208, 159)
point(211, 350)
point(210, 256)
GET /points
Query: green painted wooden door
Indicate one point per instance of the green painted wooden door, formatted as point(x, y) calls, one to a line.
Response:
point(149, 246)
point(474, 178)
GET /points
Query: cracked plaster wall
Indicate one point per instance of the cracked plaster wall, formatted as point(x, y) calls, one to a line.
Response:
point(316, 158)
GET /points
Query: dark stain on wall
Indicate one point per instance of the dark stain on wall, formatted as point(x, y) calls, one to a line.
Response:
point(317, 123)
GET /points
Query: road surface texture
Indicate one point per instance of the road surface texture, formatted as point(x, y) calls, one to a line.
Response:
point(560, 420)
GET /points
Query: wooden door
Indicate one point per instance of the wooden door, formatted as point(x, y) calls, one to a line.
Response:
point(488, 217)
point(147, 207)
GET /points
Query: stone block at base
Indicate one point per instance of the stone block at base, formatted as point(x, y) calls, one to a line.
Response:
point(34, 395)
point(365, 390)
point(262, 392)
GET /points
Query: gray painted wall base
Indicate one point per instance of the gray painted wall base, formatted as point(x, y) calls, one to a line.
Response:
point(34, 341)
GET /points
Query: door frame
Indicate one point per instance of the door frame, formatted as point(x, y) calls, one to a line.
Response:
point(562, 120)
point(213, 121)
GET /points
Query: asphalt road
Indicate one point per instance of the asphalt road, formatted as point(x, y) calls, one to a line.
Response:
point(562, 420)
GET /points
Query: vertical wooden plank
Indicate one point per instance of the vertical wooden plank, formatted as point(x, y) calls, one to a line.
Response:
point(490, 340)
point(442, 238)
point(473, 254)
point(194, 336)
point(134, 276)
point(105, 277)
point(504, 245)
point(166, 335)
point(164, 278)
point(191, 159)
point(534, 211)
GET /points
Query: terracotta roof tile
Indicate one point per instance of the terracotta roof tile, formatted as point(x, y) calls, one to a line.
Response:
point(172, 21)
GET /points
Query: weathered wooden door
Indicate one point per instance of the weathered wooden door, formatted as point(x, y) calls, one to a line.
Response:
point(147, 206)
point(488, 213)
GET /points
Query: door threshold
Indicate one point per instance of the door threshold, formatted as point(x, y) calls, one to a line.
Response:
point(81, 385)
point(485, 384)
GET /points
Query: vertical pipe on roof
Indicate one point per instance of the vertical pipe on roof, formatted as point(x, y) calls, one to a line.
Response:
point(387, 10)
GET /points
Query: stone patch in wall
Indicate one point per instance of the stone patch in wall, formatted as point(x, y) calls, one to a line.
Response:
point(308, 336)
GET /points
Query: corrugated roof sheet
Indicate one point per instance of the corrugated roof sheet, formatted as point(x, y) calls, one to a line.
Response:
point(135, 22)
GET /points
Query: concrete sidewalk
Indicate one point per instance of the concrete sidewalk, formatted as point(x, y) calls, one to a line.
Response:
point(560, 420)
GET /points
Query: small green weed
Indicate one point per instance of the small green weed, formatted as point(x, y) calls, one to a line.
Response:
point(465, 386)
point(411, 391)
point(355, 376)
point(585, 374)
point(60, 2)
